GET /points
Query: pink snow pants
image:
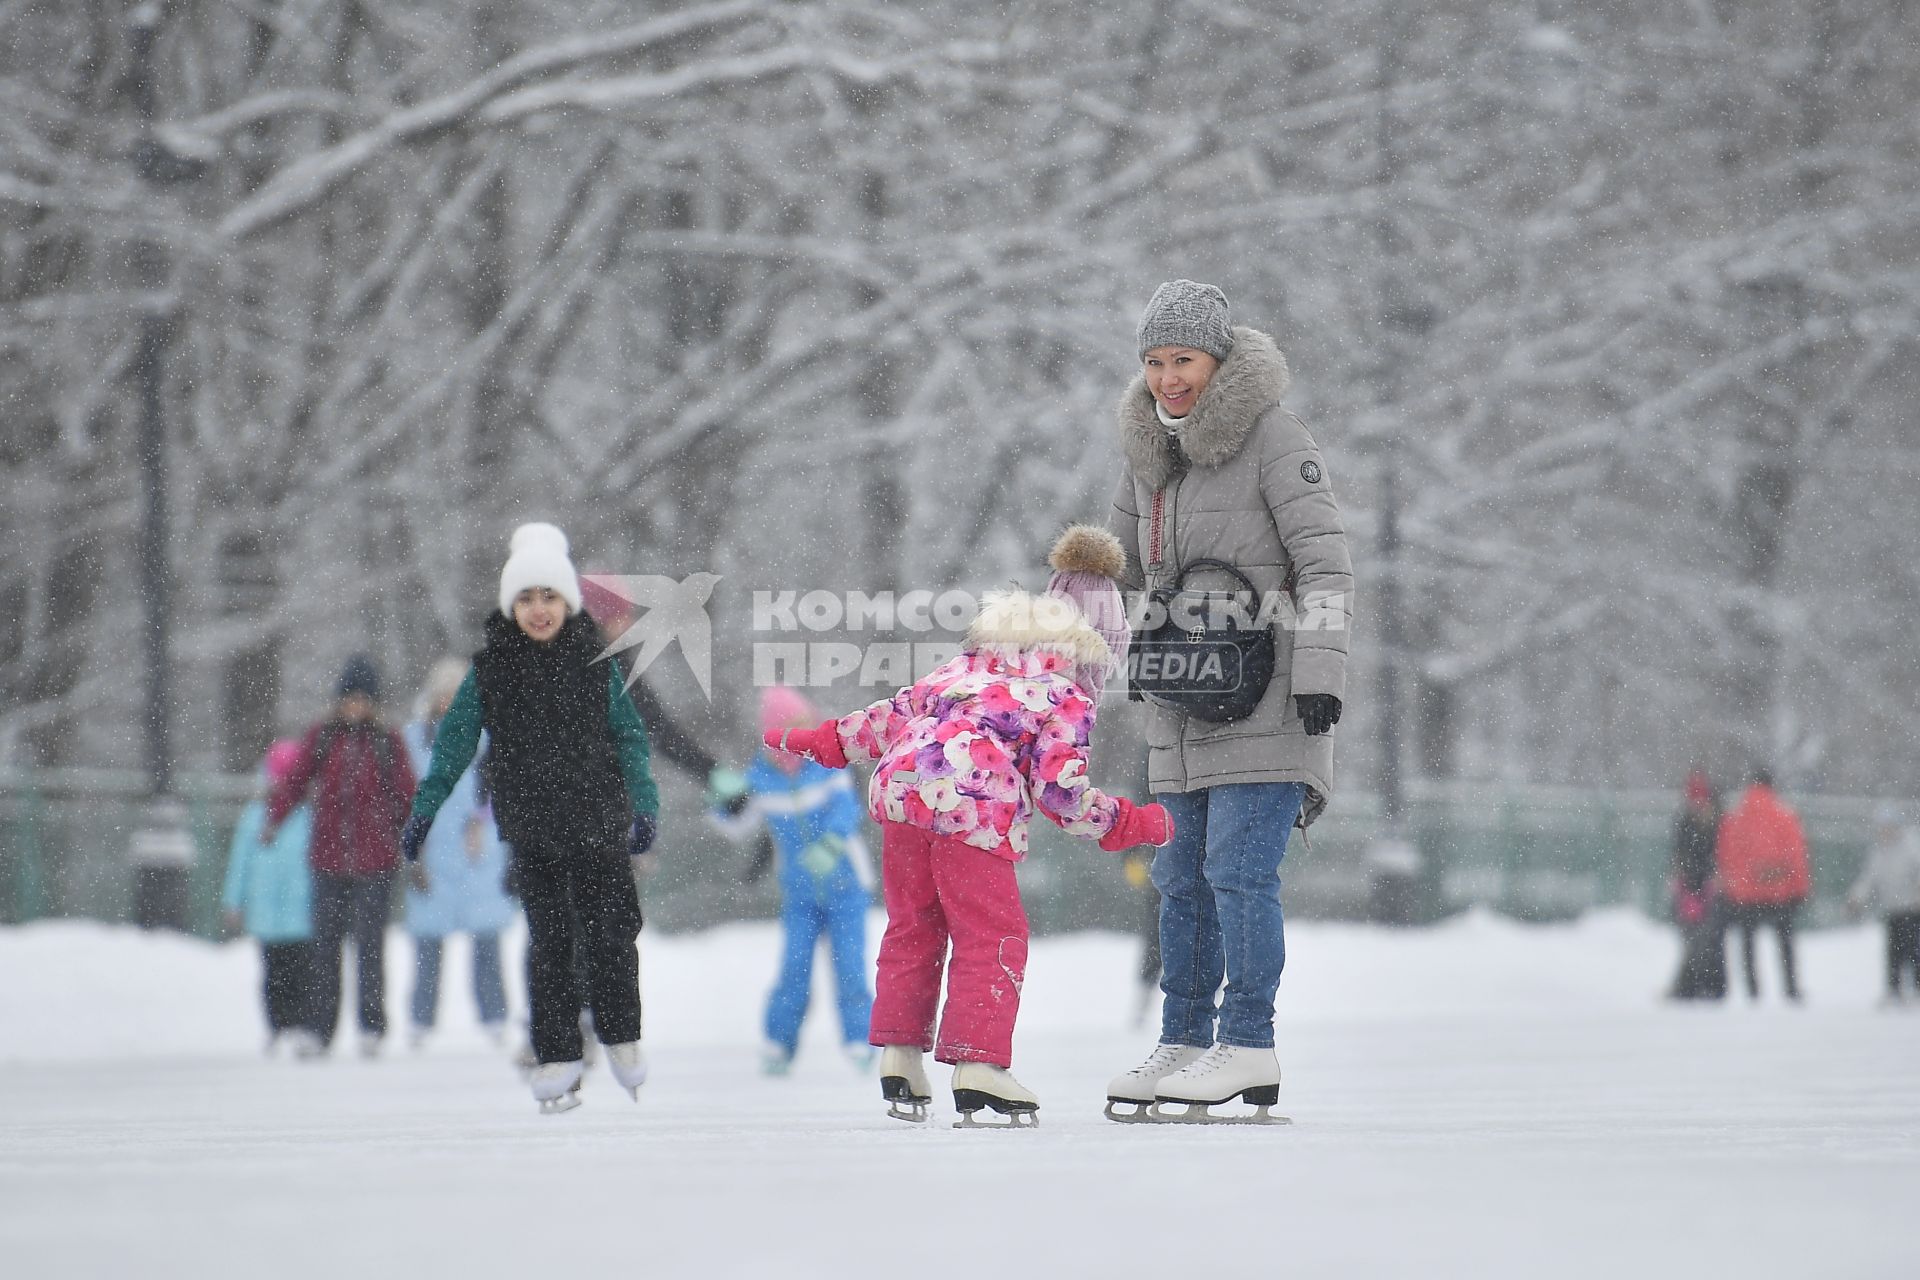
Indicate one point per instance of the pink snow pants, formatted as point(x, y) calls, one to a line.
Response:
point(938, 888)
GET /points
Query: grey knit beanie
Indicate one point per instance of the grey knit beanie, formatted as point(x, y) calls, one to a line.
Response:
point(1183, 313)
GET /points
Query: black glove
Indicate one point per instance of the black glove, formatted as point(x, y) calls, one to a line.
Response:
point(736, 804)
point(1319, 712)
point(413, 835)
point(644, 829)
point(762, 859)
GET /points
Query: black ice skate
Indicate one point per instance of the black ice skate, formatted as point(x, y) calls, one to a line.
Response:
point(903, 1083)
point(980, 1086)
point(1225, 1073)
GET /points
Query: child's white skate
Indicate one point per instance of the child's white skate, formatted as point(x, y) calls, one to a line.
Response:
point(556, 1086)
point(979, 1086)
point(307, 1046)
point(1223, 1074)
point(1134, 1089)
point(629, 1066)
point(903, 1083)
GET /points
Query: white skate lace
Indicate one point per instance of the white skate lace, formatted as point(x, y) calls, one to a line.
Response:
point(1210, 1061)
point(1159, 1061)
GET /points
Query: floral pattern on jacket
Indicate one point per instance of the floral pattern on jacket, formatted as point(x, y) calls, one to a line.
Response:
point(972, 748)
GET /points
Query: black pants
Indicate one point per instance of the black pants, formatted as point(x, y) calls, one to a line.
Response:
point(1903, 949)
point(1780, 918)
point(285, 983)
point(356, 904)
point(1703, 959)
point(584, 902)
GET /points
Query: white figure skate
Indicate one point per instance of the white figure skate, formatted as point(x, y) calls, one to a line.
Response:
point(1134, 1089)
point(556, 1086)
point(629, 1066)
point(979, 1086)
point(903, 1083)
point(1221, 1075)
point(307, 1046)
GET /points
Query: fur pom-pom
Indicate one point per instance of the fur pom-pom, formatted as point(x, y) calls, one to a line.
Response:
point(1087, 548)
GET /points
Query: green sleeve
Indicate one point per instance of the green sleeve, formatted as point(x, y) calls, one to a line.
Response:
point(453, 747)
point(630, 739)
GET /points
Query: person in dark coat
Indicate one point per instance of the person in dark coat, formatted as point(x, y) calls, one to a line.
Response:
point(1703, 951)
point(357, 771)
point(574, 798)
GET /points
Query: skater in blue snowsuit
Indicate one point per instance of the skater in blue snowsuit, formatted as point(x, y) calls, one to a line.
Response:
point(815, 818)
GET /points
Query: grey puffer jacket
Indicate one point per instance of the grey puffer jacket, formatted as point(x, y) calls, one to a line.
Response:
point(1240, 479)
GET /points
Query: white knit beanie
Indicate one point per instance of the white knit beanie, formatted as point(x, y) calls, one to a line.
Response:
point(538, 557)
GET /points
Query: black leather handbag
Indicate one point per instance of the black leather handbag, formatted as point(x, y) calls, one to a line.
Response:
point(1197, 658)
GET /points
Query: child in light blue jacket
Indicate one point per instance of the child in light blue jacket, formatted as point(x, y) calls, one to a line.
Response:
point(826, 881)
point(466, 863)
point(269, 893)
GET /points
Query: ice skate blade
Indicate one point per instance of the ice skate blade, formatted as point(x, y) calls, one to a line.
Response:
point(555, 1106)
point(902, 1102)
point(1202, 1113)
point(1142, 1112)
point(1007, 1120)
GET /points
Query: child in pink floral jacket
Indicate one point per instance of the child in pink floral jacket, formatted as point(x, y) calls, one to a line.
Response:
point(965, 756)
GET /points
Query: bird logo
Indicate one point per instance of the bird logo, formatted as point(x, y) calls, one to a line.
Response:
point(669, 611)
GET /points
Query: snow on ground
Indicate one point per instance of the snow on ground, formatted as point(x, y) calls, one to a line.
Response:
point(1483, 1098)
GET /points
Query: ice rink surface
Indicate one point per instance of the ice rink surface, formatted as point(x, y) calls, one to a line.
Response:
point(1482, 1099)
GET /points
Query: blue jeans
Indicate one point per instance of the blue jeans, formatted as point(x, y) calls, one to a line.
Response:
point(1219, 883)
point(843, 918)
point(489, 991)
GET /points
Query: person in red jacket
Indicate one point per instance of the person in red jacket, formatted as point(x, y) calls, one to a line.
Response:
point(1761, 859)
point(362, 785)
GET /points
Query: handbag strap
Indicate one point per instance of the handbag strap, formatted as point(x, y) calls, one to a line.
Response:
point(1180, 579)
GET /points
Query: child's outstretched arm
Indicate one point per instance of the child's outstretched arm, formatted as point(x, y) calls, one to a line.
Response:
point(454, 743)
point(636, 753)
point(1058, 781)
point(867, 733)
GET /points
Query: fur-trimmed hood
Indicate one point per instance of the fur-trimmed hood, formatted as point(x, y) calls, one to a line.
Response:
point(1251, 380)
point(1013, 624)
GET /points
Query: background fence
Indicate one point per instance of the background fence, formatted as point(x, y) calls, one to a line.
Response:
point(1537, 853)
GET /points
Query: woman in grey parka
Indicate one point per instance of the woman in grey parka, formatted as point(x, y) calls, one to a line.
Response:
point(1217, 468)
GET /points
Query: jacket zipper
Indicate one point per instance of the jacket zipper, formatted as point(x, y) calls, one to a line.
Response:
point(1159, 515)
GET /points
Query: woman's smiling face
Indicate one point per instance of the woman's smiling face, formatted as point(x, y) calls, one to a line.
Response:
point(1176, 376)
